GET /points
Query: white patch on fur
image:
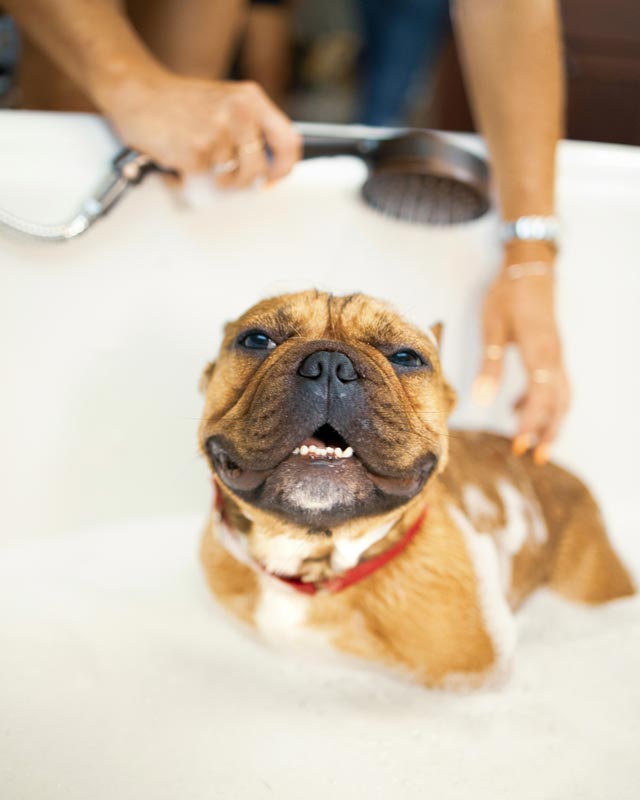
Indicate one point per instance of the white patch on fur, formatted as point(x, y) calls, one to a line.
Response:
point(477, 504)
point(524, 521)
point(497, 615)
point(516, 530)
point(347, 552)
point(282, 615)
point(281, 554)
point(319, 495)
point(235, 545)
point(524, 518)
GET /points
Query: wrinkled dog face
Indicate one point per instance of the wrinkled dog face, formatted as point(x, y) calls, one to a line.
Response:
point(321, 409)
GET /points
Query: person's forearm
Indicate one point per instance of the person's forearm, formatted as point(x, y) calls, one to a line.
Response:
point(511, 53)
point(91, 40)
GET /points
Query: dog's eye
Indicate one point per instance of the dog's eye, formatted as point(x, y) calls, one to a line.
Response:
point(407, 358)
point(257, 340)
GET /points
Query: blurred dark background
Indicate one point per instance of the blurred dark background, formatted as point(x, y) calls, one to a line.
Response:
point(391, 62)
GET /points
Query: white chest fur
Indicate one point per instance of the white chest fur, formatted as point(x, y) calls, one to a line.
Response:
point(282, 615)
point(284, 555)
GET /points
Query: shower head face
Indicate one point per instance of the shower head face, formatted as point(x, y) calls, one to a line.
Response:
point(423, 178)
point(423, 198)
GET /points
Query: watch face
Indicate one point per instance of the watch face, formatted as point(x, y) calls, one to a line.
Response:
point(532, 228)
point(536, 228)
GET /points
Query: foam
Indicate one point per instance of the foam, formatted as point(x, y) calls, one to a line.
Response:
point(119, 677)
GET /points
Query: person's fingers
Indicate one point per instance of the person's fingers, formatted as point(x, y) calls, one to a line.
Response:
point(246, 132)
point(536, 411)
point(552, 427)
point(283, 141)
point(194, 155)
point(550, 431)
point(494, 333)
point(534, 414)
point(522, 443)
point(223, 160)
point(541, 412)
point(252, 163)
point(554, 422)
point(208, 136)
point(184, 124)
point(521, 312)
point(486, 383)
point(540, 351)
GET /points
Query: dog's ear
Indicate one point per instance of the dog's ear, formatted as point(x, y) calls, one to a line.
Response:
point(451, 397)
point(206, 377)
point(436, 332)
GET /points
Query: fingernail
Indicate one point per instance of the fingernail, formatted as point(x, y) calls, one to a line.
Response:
point(522, 443)
point(541, 454)
point(484, 390)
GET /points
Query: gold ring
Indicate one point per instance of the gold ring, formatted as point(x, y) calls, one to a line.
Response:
point(541, 375)
point(256, 146)
point(494, 352)
point(225, 167)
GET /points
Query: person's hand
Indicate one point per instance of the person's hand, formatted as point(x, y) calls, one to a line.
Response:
point(231, 129)
point(519, 309)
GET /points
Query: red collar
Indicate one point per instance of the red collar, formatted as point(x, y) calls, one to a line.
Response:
point(346, 579)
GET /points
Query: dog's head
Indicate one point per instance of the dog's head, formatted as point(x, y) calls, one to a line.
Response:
point(323, 409)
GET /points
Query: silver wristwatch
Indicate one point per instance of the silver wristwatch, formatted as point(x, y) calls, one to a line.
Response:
point(532, 229)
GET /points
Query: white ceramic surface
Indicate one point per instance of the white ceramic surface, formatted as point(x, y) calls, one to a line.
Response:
point(118, 678)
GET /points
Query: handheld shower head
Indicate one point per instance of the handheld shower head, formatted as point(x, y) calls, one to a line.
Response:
point(418, 175)
point(414, 175)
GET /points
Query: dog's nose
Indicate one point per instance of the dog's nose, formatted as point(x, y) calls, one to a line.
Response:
point(325, 366)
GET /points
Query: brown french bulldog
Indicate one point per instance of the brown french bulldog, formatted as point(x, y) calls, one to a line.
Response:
point(347, 515)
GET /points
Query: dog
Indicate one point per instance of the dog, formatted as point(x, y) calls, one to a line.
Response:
point(347, 515)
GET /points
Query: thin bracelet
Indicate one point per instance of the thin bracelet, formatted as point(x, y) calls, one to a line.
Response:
point(526, 269)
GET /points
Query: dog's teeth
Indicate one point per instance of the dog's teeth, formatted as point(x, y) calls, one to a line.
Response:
point(323, 452)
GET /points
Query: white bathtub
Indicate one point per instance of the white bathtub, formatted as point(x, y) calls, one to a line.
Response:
point(118, 676)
